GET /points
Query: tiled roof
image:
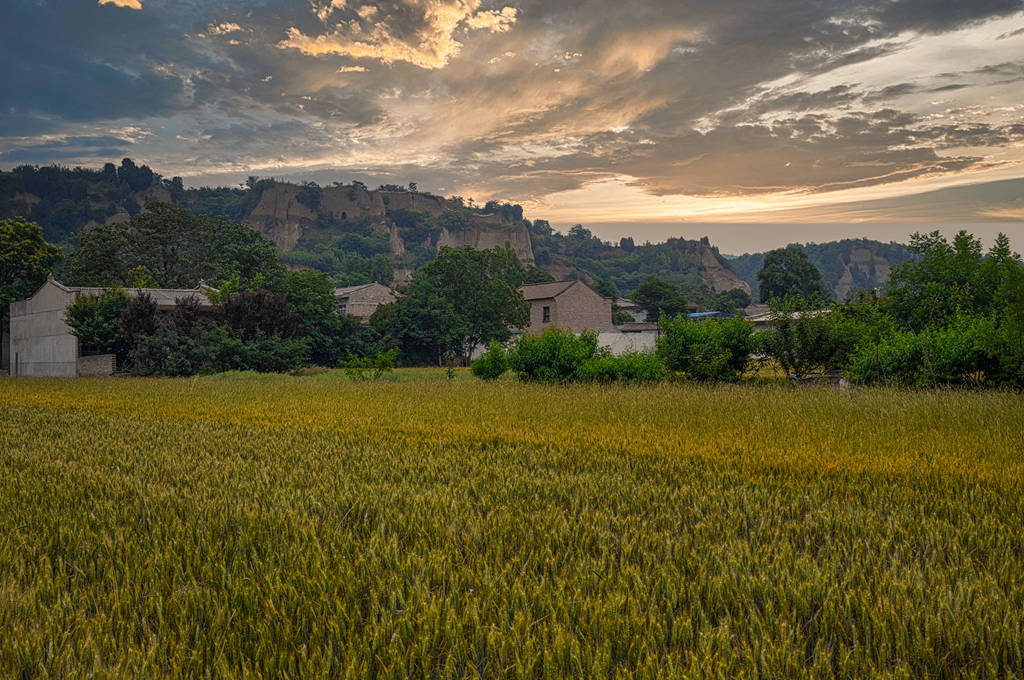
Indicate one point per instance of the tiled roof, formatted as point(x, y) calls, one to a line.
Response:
point(348, 290)
point(540, 291)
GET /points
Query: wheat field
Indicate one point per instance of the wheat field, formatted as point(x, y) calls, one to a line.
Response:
point(286, 527)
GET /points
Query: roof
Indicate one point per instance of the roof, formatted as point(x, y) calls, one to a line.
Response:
point(348, 290)
point(540, 291)
point(163, 297)
point(704, 315)
point(769, 316)
point(637, 327)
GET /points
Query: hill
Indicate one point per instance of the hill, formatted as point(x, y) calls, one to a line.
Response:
point(848, 265)
point(354, 233)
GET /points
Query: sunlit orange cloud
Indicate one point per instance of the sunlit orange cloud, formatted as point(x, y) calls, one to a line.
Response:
point(618, 199)
point(127, 4)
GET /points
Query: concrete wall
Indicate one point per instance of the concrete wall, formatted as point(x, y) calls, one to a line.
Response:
point(97, 365)
point(620, 343)
point(41, 343)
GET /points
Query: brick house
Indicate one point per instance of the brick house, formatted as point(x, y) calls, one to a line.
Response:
point(572, 305)
point(362, 301)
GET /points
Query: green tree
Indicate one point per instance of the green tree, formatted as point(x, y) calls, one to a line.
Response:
point(462, 299)
point(96, 322)
point(331, 337)
point(658, 297)
point(946, 278)
point(25, 261)
point(788, 272)
point(168, 247)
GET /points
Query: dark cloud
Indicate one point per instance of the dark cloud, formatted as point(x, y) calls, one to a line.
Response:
point(68, 148)
point(680, 96)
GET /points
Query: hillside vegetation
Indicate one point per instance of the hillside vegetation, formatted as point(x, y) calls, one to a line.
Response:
point(357, 234)
point(848, 266)
point(315, 527)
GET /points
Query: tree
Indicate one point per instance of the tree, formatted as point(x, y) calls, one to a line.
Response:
point(729, 301)
point(606, 287)
point(945, 278)
point(168, 247)
point(331, 337)
point(658, 297)
point(787, 272)
point(96, 322)
point(461, 300)
point(25, 261)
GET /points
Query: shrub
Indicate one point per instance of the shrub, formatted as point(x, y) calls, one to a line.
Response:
point(553, 356)
point(709, 351)
point(956, 355)
point(366, 368)
point(492, 363)
point(631, 367)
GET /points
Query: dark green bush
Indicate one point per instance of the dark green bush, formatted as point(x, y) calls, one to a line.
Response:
point(631, 367)
point(491, 364)
point(706, 351)
point(955, 355)
point(553, 356)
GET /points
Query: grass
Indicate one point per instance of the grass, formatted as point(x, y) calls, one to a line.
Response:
point(420, 527)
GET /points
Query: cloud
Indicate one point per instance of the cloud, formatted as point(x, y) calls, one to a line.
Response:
point(429, 43)
point(493, 20)
point(223, 28)
point(127, 4)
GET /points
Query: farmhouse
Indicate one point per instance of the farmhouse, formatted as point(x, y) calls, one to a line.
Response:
point(42, 344)
point(572, 305)
point(362, 301)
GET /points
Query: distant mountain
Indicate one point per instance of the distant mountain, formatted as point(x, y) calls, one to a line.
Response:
point(847, 266)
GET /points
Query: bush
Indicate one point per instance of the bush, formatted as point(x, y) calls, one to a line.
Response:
point(631, 367)
point(553, 356)
point(491, 364)
point(366, 368)
point(708, 351)
point(956, 355)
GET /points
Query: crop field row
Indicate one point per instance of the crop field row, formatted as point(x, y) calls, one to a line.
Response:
point(315, 527)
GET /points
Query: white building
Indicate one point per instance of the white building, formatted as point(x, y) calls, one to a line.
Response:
point(42, 344)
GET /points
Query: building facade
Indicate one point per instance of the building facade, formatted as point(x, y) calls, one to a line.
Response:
point(572, 305)
point(42, 344)
point(362, 301)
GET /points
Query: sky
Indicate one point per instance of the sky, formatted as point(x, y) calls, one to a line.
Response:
point(751, 121)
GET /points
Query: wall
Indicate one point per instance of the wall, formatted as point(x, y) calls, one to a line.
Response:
point(41, 343)
point(537, 324)
point(620, 343)
point(97, 366)
point(580, 308)
point(364, 302)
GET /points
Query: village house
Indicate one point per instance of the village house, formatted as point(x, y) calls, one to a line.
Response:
point(362, 301)
point(572, 305)
point(42, 344)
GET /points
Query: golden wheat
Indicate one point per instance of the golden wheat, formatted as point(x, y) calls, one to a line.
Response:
point(313, 527)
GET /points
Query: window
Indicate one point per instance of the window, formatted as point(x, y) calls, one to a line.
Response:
point(547, 314)
point(343, 308)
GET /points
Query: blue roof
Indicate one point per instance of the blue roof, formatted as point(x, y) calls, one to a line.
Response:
point(701, 315)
